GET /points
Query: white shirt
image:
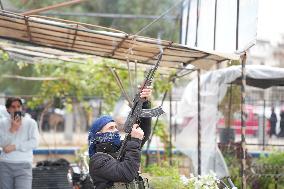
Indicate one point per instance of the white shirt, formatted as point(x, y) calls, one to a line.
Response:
point(25, 139)
point(3, 112)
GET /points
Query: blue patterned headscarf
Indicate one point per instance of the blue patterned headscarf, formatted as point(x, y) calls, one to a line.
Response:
point(96, 138)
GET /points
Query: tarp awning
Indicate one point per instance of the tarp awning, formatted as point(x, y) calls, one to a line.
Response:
point(213, 87)
point(103, 42)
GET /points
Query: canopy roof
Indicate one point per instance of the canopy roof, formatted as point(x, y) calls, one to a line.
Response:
point(262, 76)
point(103, 42)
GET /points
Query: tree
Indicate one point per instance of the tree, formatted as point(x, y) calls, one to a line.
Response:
point(12, 67)
point(74, 81)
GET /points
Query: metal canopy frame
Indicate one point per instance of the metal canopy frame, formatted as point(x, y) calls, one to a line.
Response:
point(103, 42)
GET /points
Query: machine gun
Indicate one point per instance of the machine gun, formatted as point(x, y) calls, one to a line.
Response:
point(136, 111)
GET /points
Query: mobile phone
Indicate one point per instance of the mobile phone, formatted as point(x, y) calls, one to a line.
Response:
point(17, 114)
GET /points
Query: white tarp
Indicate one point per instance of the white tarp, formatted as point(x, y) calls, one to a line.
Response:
point(226, 22)
point(213, 89)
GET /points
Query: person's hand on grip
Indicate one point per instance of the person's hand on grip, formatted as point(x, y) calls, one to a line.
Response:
point(137, 132)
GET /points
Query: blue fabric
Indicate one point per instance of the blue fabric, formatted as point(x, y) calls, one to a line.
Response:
point(100, 123)
point(96, 127)
point(112, 137)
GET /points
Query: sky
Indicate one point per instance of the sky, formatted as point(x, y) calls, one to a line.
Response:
point(270, 19)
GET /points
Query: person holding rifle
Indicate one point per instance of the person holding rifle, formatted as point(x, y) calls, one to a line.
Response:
point(115, 164)
point(104, 144)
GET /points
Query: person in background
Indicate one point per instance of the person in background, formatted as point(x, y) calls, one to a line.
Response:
point(273, 121)
point(281, 133)
point(18, 137)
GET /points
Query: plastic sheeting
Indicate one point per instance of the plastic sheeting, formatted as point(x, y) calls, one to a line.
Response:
point(213, 89)
point(201, 30)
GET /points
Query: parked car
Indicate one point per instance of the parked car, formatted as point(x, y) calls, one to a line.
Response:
point(252, 120)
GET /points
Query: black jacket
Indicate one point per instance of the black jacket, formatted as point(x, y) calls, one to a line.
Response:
point(105, 170)
point(145, 124)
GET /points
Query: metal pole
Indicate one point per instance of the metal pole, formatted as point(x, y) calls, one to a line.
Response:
point(136, 75)
point(180, 24)
point(199, 124)
point(187, 21)
point(175, 123)
point(215, 21)
point(243, 118)
point(170, 95)
point(237, 25)
point(276, 179)
point(197, 22)
point(230, 111)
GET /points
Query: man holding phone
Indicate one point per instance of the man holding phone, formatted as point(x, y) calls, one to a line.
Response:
point(18, 137)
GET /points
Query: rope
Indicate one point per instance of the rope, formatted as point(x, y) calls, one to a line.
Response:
point(161, 16)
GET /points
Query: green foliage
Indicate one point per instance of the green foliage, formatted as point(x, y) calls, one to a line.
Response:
point(78, 81)
point(275, 158)
point(81, 153)
point(162, 132)
point(74, 82)
point(231, 103)
point(273, 165)
point(234, 63)
point(12, 68)
point(167, 176)
point(160, 129)
point(4, 56)
point(234, 166)
point(161, 85)
point(164, 175)
point(268, 166)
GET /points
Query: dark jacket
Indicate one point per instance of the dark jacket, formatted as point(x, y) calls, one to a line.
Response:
point(145, 124)
point(105, 170)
